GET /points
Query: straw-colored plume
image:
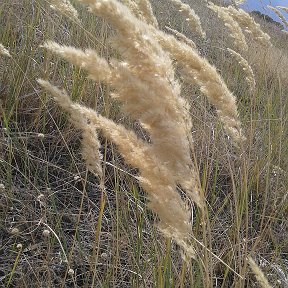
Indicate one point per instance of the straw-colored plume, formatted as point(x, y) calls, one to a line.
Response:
point(191, 17)
point(4, 51)
point(90, 142)
point(250, 78)
point(98, 69)
point(232, 25)
point(134, 8)
point(247, 22)
point(239, 2)
point(199, 70)
point(262, 280)
point(182, 37)
point(279, 14)
point(285, 9)
point(65, 7)
point(147, 12)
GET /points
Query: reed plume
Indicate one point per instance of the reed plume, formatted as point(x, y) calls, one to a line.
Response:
point(280, 15)
point(4, 51)
point(249, 25)
point(133, 7)
point(262, 280)
point(182, 37)
point(147, 13)
point(90, 142)
point(250, 78)
point(200, 71)
point(239, 2)
point(285, 9)
point(232, 25)
point(191, 17)
point(64, 7)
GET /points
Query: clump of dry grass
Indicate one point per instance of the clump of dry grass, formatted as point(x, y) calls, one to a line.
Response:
point(250, 78)
point(4, 51)
point(232, 25)
point(191, 17)
point(145, 83)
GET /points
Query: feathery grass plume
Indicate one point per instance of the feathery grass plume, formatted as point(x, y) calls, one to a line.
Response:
point(4, 51)
point(239, 2)
point(147, 12)
point(279, 14)
point(134, 8)
point(250, 78)
point(191, 17)
point(64, 7)
point(98, 69)
point(211, 84)
point(156, 179)
point(247, 22)
point(182, 37)
point(232, 25)
point(285, 9)
point(262, 280)
point(90, 142)
point(144, 81)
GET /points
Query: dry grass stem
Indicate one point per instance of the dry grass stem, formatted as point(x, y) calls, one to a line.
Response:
point(232, 25)
point(248, 23)
point(64, 7)
point(262, 280)
point(4, 51)
point(191, 17)
point(279, 14)
point(250, 78)
point(182, 37)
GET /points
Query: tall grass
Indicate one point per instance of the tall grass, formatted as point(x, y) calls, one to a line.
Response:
point(210, 173)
